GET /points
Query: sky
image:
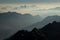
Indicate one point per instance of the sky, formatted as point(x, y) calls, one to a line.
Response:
point(34, 7)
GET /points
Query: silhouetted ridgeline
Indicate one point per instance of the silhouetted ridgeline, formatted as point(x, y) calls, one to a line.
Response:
point(53, 30)
point(35, 34)
point(49, 32)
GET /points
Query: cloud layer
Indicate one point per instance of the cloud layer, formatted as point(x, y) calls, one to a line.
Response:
point(29, 1)
point(34, 9)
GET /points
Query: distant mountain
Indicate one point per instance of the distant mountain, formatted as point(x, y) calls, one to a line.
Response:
point(10, 22)
point(53, 30)
point(18, 19)
point(44, 22)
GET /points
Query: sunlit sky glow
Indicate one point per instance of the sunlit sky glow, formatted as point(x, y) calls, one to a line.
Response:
point(34, 7)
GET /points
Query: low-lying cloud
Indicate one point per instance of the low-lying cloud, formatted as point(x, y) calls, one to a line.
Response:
point(31, 9)
point(56, 8)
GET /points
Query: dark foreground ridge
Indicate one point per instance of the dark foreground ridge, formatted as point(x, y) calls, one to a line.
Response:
point(53, 30)
point(49, 32)
point(35, 34)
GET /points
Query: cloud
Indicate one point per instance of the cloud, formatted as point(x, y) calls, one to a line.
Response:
point(24, 6)
point(27, 6)
point(28, 1)
point(56, 8)
point(50, 9)
point(16, 7)
point(4, 8)
point(32, 9)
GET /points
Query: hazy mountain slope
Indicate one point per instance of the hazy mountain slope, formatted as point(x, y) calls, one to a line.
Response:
point(44, 22)
point(10, 22)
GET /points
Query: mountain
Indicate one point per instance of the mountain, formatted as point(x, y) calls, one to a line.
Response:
point(44, 22)
point(10, 22)
point(22, 20)
point(35, 34)
point(53, 30)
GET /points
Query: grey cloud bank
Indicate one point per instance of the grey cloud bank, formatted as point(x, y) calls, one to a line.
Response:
point(28, 1)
